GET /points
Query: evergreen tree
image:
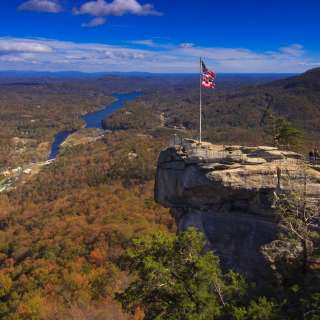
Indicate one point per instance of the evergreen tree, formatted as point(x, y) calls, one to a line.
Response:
point(280, 130)
point(175, 279)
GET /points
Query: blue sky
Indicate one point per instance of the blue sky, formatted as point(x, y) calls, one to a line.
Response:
point(159, 35)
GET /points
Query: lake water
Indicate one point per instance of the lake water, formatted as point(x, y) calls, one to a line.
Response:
point(58, 139)
point(94, 119)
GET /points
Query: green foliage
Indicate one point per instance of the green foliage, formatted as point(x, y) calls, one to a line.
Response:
point(174, 281)
point(280, 132)
point(312, 307)
point(174, 278)
point(262, 309)
point(287, 134)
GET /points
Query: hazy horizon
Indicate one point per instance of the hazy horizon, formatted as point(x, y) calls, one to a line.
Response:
point(141, 72)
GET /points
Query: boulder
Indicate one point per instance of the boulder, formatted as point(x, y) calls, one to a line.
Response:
point(228, 193)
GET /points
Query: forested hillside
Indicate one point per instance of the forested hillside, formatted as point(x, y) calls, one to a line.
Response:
point(64, 230)
point(235, 115)
point(33, 110)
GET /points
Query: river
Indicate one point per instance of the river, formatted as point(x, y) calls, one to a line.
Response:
point(94, 119)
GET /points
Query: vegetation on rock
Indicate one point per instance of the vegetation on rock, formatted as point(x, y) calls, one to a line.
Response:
point(64, 231)
point(176, 279)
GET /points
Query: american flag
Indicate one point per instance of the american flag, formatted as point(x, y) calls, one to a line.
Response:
point(208, 77)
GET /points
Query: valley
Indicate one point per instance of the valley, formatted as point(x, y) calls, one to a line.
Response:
point(66, 223)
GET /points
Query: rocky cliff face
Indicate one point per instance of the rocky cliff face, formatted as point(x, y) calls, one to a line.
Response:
point(228, 193)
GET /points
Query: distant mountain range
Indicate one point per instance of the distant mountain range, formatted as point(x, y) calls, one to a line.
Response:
point(9, 74)
point(296, 98)
point(237, 114)
point(310, 80)
point(55, 75)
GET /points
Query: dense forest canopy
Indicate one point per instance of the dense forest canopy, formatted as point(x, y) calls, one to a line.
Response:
point(65, 230)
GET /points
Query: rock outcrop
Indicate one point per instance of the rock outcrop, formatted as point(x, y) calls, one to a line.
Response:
point(228, 193)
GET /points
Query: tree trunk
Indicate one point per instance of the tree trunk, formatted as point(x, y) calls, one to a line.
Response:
point(305, 256)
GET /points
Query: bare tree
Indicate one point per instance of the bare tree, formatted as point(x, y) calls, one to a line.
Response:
point(298, 211)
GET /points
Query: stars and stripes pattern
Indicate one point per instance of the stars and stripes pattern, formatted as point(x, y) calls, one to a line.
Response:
point(208, 77)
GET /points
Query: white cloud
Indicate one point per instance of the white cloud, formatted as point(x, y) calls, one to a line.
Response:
point(19, 58)
point(146, 42)
point(310, 64)
point(295, 50)
point(95, 22)
point(51, 6)
point(9, 45)
point(54, 55)
point(186, 45)
point(101, 8)
point(150, 43)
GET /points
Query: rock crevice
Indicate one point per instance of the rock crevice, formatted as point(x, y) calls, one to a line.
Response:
point(228, 193)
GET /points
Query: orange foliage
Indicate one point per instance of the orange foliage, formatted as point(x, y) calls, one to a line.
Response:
point(139, 314)
point(97, 256)
point(63, 230)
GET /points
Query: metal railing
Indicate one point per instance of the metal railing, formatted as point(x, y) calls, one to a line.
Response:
point(175, 140)
point(315, 161)
point(198, 151)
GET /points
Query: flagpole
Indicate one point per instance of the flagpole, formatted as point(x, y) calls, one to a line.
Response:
point(200, 113)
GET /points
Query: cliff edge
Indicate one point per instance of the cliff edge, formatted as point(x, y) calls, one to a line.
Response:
point(228, 193)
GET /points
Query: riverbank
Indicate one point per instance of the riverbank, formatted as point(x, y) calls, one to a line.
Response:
point(94, 119)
